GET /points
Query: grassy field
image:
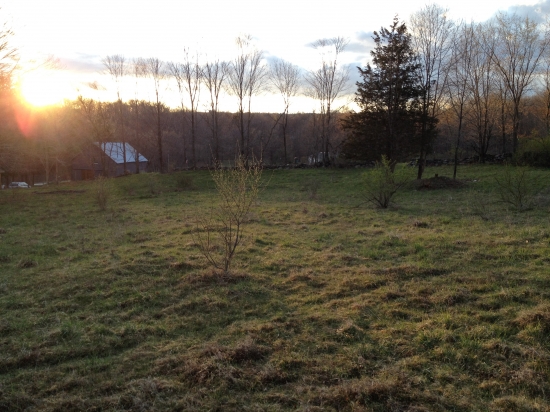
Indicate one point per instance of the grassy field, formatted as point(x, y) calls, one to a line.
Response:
point(439, 303)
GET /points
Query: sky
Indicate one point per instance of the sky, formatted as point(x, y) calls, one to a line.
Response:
point(79, 33)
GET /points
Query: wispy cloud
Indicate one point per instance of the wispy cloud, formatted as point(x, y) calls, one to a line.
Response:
point(81, 63)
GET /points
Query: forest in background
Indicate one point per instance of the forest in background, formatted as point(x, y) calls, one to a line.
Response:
point(487, 84)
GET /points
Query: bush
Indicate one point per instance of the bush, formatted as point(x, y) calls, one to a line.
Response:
point(185, 182)
point(382, 183)
point(535, 152)
point(219, 235)
point(311, 186)
point(102, 192)
point(153, 183)
point(518, 186)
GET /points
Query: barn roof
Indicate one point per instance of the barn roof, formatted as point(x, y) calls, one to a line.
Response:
point(115, 151)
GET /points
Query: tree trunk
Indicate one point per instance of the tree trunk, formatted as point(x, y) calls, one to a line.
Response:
point(159, 140)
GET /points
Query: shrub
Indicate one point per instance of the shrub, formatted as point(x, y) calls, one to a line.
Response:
point(517, 187)
point(383, 182)
point(219, 235)
point(153, 183)
point(311, 186)
point(535, 152)
point(185, 182)
point(102, 192)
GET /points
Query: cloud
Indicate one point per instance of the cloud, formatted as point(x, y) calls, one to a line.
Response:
point(357, 47)
point(363, 42)
point(81, 63)
point(365, 36)
point(536, 12)
point(271, 58)
point(354, 75)
point(360, 47)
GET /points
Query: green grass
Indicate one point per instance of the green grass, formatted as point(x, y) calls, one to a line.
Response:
point(441, 302)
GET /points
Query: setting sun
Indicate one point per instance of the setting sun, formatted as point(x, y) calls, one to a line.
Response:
point(44, 87)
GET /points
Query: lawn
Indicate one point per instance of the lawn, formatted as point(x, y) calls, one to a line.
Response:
point(440, 302)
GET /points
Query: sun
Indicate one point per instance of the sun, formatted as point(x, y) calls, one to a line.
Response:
point(40, 88)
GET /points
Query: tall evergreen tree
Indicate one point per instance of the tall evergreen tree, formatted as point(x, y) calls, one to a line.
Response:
point(389, 97)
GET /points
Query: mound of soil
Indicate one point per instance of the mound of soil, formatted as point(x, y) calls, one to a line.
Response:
point(439, 182)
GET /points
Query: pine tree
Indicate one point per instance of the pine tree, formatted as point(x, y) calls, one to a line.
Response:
point(389, 97)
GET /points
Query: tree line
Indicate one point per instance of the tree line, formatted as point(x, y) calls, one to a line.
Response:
point(198, 132)
point(433, 87)
point(245, 132)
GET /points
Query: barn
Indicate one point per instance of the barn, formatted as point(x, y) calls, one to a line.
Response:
point(107, 159)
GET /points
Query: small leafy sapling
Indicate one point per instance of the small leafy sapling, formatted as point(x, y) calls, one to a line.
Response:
point(382, 183)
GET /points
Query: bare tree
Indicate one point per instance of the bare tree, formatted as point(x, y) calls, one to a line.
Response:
point(188, 78)
point(285, 78)
point(115, 66)
point(544, 92)
point(431, 36)
point(139, 70)
point(246, 79)
point(192, 77)
point(9, 56)
point(98, 117)
point(327, 83)
point(219, 236)
point(8, 63)
point(483, 90)
point(504, 112)
point(49, 130)
point(176, 71)
point(459, 79)
point(214, 75)
point(57, 138)
point(156, 69)
point(518, 53)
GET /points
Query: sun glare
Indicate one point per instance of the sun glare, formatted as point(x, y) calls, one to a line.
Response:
point(44, 88)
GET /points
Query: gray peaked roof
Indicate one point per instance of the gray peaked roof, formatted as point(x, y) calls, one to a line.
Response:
point(115, 151)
